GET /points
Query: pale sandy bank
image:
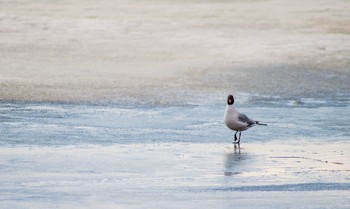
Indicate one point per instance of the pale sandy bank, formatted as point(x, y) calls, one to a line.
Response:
point(121, 50)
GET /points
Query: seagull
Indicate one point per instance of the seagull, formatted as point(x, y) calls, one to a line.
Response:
point(237, 121)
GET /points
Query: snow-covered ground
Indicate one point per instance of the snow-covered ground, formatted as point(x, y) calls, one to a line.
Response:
point(168, 51)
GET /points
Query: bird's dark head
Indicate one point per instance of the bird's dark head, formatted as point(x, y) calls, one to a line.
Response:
point(230, 100)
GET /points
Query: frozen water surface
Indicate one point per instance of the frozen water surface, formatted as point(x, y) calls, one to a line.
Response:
point(87, 156)
point(50, 124)
point(176, 175)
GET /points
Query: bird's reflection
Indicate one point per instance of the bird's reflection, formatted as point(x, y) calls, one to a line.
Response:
point(233, 160)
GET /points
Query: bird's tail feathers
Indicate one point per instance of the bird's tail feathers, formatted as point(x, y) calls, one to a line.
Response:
point(261, 124)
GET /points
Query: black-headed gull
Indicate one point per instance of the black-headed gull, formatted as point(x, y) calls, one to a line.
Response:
point(237, 121)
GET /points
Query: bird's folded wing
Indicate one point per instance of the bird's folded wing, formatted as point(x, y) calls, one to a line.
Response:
point(244, 119)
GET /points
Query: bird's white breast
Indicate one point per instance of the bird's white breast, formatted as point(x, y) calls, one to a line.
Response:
point(231, 119)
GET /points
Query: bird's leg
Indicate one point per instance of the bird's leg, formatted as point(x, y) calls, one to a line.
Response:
point(239, 138)
point(235, 139)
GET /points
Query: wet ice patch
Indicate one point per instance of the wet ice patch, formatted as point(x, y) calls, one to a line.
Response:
point(170, 172)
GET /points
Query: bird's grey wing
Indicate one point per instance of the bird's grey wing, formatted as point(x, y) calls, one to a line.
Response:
point(244, 119)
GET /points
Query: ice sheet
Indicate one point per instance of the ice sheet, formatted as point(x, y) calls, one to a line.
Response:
point(162, 175)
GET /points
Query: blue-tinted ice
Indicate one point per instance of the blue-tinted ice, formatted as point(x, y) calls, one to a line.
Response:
point(79, 155)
